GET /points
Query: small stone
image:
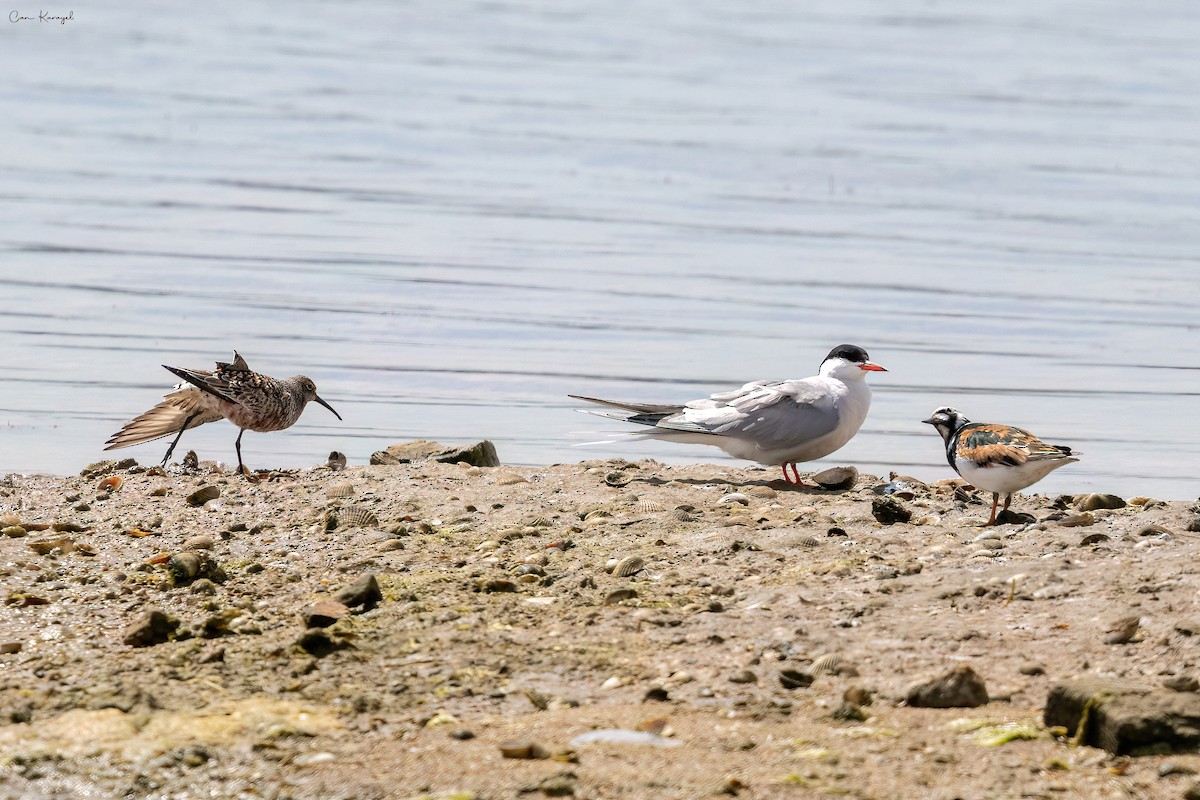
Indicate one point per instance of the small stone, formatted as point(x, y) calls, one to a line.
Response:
point(656, 695)
point(494, 585)
point(889, 511)
point(619, 596)
point(849, 712)
point(203, 495)
point(13, 531)
point(1031, 668)
point(559, 785)
point(1188, 626)
point(152, 627)
point(198, 543)
point(1122, 630)
point(745, 676)
point(1092, 502)
point(317, 642)
point(1182, 683)
point(523, 749)
point(323, 613)
point(363, 592)
point(795, 679)
point(462, 734)
point(858, 695)
point(960, 688)
point(8, 648)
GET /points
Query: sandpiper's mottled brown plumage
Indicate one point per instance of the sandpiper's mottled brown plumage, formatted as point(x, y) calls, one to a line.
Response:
point(234, 392)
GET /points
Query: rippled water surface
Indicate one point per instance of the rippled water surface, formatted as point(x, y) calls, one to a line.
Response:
point(450, 215)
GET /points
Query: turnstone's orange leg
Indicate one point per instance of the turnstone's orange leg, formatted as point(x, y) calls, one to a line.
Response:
point(995, 503)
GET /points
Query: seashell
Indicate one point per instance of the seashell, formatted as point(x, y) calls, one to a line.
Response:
point(340, 490)
point(616, 479)
point(808, 541)
point(510, 479)
point(648, 506)
point(630, 565)
point(110, 484)
point(833, 664)
point(356, 517)
point(596, 513)
point(682, 516)
point(539, 522)
point(836, 477)
point(1092, 502)
point(899, 489)
point(736, 497)
point(336, 461)
point(203, 495)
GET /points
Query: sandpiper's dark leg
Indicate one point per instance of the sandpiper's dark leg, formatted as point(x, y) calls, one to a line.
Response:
point(995, 503)
point(178, 436)
point(238, 446)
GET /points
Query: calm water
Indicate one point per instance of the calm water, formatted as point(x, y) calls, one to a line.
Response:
point(450, 215)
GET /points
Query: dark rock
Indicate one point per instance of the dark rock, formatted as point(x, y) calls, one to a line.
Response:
point(656, 695)
point(559, 785)
point(1194, 524)
point(153, 627)
point(1093, 538)
point(7, 648)
point(1009, 517)
point(836, 532)
point(323, 613)
point(481, 454)
point(959, 688)
point(317, 642)
point(858, 695)
point(889, 510)
point(363, 592)
point(462, 734)
point(1193, 792)
point(1125, 718)
point(848, 712)
point(1182, 683)
point(794, 679)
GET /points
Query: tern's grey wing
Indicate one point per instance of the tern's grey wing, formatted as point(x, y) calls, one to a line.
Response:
point(775, 416)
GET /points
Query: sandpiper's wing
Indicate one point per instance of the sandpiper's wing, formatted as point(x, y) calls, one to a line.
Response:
point(165, 419)
point(990, 445)
point(230, 381)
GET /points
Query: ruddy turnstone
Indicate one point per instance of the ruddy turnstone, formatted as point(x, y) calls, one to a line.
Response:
point(998, 458)
point(771, 422)
point(249, 400)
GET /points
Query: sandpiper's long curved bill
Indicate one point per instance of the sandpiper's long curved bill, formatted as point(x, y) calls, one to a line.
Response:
point(322, 402)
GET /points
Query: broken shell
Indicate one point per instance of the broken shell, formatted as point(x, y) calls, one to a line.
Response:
point(836, 477)
point(340, 490)
point(596, 513)
point(203, 495)
point(1092, 502)
point(630, 565)
point(647, 506)
point(336, 461)
point(110, 484)
point(736, 497)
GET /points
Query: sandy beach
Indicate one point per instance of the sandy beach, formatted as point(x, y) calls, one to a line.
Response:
point(604, 629)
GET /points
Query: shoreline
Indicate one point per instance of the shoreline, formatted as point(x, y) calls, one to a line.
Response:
point(760, 640)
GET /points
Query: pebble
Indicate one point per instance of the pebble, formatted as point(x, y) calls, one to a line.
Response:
point(960, 688)
point(1182, 683)
point(323, 613)
point(523, 749)
point(8, 648)
point(152, 627)
point(203, 495)
point(889, 511)
point(13, 531)
point(1031, 668)
point(794, 679)
point(363, 592)
point(1092, 502)
point(858, 695)
point(745, 676)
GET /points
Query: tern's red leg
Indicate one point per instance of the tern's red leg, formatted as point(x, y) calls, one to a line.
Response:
point(995, 503)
